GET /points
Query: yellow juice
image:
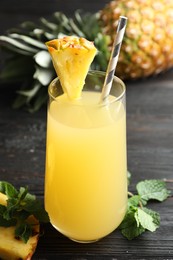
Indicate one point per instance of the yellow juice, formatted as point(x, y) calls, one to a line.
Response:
point(86, 175)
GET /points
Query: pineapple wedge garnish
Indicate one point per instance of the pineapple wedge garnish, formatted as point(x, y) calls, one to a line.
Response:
point(72, 57)
point(12, 248)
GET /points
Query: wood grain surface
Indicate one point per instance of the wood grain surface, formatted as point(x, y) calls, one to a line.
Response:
point(150, 155)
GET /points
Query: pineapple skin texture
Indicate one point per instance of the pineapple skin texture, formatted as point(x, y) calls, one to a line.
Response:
point(147, 47)
point(72, 57)
point(12, 248)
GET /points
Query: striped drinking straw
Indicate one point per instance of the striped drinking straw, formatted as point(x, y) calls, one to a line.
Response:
point(113, 58)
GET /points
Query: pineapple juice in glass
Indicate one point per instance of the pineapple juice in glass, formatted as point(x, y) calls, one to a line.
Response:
point(86, 169)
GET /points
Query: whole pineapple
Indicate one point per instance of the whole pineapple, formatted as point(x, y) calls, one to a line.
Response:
point(148, 43)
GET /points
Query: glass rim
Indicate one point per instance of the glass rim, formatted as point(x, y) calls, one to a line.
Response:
point(92, 72)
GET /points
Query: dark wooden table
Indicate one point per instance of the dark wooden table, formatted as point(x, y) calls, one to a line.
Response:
point(150, 155)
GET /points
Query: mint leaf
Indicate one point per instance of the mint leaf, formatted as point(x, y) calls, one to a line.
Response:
point(128, 219)
point(35, 207)
point(145, 220)
point(4, 222)
point(155, 215)
point(137, 221)
point(32, 205)
point(132, 231)
point(23, 231)
point(12, 207)
point(152, 189)
point(2, 209)
point(41, 216)
point(129, 227)
point(7, 223)
point(8, 189)
point(22, 193)
point(134, 201)
point(29, 197)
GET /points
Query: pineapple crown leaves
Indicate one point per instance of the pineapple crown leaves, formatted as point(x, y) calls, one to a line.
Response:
point(28, 60)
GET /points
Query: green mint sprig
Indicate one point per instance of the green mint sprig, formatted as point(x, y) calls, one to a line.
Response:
point(20, 205)
point(139, 218)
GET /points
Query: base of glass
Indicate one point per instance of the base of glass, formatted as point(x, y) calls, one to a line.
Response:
point(84, 241)
point(76, 240)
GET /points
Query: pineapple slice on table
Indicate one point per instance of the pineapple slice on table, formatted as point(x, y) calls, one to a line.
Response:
point(72, 57)
point(12, 248)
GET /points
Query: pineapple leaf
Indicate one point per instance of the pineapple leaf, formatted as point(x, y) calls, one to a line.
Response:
point(28, 40)
point(28, 25)
point(30, 93)
point(63, 22)
point(50, 25)
point(20, 101)
point(76, 29)
point(42, 58)
point(49, 36)
point(43, 75)
point(11, 48)
point(78, 18)
point(18, 45)
point(39, 101)
point(32, 101)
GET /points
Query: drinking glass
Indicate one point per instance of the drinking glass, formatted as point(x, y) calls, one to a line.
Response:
point(86, 168)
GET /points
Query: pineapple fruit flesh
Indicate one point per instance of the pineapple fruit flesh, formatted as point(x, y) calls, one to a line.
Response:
point(72, 57)
point(10, 247)
point(147, 48)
